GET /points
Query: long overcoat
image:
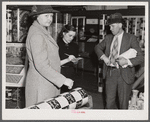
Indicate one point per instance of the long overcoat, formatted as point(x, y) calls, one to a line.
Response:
point(43, 79)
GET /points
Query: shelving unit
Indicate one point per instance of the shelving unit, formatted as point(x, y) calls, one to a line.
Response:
point(136, 25)
point(16, 59)
point(16, 64)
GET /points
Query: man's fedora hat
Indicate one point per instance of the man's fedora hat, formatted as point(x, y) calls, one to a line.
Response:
point(115, 18)
point(41, 9)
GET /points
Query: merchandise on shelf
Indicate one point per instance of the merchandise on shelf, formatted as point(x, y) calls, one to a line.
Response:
point(9, 25)
point(15, 54)
point(136, 103)
point(67, 18)
point(16, 64)
point(135, 25)
point(102, 29)
point(17, 25)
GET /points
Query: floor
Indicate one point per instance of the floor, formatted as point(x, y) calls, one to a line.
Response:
point(85, 80)
point(88, 81)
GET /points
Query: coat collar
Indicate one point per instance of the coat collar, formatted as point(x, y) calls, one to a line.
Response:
point(124, 43)
point(46, 32)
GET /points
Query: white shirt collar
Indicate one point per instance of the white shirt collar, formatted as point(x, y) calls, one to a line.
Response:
point(120, 35)
point(65, 41)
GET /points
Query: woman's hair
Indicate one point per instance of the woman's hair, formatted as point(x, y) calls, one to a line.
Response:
point(66, 29)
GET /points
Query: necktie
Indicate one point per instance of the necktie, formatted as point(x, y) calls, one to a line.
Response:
point(114, 53)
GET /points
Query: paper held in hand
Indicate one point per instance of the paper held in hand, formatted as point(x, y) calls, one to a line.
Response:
point(131, 53)
point(79, 58)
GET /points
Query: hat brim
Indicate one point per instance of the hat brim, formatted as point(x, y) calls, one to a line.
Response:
point(42, 12)
point(112, 21)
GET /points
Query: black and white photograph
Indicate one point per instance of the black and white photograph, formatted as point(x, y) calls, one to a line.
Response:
point(76, 60)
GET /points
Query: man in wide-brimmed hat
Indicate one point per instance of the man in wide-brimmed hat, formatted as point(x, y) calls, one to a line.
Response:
point(119, 79)
point(43, 80)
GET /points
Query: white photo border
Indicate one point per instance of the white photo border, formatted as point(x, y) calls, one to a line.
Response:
point(100, 114)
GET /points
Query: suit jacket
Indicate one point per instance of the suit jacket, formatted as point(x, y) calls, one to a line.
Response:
point(43, 78)
point(128, 41)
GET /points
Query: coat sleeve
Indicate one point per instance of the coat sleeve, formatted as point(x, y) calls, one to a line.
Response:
point(140, 57)
point(41, 62)
point(99, 48)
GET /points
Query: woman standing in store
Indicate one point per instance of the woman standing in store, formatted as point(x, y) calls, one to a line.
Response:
point(68, 47)
point(44, 79)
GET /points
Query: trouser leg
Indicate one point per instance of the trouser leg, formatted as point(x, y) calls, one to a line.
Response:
point(111, 89)
point(124, 91)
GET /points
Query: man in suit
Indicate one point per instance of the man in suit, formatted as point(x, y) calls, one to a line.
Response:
point(119, 79)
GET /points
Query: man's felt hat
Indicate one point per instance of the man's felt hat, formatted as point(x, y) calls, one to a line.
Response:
point(41, 9)
point(115, 18)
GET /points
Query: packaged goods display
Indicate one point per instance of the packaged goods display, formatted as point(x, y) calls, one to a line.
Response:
point(102, 28)
point(136, 103)
point(15, 53)
point(14, 69)
point(13, 78)
point(135, 25)
point(17, 25)
point(15, 64)
point(8, 25)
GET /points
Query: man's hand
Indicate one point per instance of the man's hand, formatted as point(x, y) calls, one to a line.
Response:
point(106, 60)
point(122, 61)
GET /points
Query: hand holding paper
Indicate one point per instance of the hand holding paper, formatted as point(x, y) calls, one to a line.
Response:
point(131, 53)
point(70, 58)
point(73, 59)
point(122, 61)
